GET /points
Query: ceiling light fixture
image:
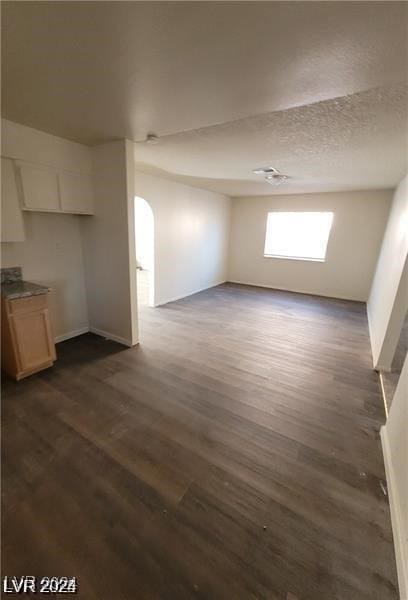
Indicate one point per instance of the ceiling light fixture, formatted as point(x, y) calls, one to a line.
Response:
point(265, 171)
point(272, 175)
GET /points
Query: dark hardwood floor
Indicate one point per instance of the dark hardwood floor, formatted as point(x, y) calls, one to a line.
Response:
point(234, 454)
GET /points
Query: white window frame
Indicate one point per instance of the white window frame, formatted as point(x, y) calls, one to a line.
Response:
point(329, 216)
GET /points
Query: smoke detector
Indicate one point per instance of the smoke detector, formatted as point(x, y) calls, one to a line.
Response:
point(152, 138)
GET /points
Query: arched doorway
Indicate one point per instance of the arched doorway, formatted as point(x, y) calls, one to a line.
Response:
point(144, 246)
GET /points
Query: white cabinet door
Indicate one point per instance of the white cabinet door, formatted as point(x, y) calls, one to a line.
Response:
point(12, 226)
point(76, 193)
point(40, 188)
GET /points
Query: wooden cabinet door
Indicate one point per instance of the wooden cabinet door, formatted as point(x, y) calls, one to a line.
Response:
point(12, 227)
point(35, 345)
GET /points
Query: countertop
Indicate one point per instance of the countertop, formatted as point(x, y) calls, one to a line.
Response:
point(22, 289)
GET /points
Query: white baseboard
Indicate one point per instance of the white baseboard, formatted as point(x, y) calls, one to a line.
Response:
point(400, 543)
point(296, 291)
point(111, 336)
point(384, 396)
point(383, 369)
point(175, 298)
point(105, 334)
point(71, 334)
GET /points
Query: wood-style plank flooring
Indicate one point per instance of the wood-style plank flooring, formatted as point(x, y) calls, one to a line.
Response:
point(233, 454)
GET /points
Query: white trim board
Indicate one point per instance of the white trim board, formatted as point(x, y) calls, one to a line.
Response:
point(400, 544)
point(175, 298)
point(100, 332)
point(71, 334)
point(293, 290)
point(111, 336)
point(384, 396)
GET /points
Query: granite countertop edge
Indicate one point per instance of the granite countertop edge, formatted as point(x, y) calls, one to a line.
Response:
point(22, 289)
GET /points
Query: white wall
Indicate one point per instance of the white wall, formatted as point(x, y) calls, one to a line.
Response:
point(388, 301)
point(51, 253)
point(32, 145)
point(191, 236)
point(90, 261)
point(144, 231)
point(108, 244)
point(394, 437)
point(356, 234)
point(386, 309)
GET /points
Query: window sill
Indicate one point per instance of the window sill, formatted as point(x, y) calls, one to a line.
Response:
point(320, 260)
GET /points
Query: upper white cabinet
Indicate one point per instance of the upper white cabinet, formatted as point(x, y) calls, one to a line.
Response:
point(76, 193)
point(53, 190)
point(40, 188)
point(12, 226)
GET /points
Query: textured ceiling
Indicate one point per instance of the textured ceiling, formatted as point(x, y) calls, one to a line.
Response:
point(264, 73)
point(93, 71)
point(354, 142)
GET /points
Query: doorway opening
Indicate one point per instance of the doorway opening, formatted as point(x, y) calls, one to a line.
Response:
point(390, 378)
point(144, 246)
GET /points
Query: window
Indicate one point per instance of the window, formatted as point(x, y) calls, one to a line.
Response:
point(298, 235)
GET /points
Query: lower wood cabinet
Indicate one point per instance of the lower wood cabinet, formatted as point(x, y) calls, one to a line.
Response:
point(27, 342)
